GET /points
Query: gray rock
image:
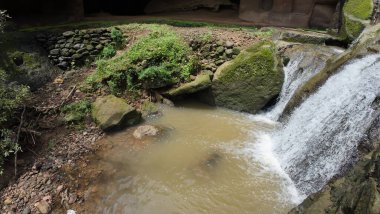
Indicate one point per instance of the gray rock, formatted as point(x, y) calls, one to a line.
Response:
point(146, 130)
point(26, 210)
point(112, 113)
point(78, 46)
point(229, 44)
point(90, 47)
point(229, 52)
point(68, 33)
point(54, 52)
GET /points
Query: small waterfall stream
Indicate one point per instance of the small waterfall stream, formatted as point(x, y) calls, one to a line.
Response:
point(322, 134)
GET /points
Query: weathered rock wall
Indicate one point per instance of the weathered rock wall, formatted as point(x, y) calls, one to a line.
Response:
point(290, 13)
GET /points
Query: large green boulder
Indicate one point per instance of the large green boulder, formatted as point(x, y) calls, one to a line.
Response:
point(356, 15)
point(200, 83)
point(113, 113)
point(250, 81)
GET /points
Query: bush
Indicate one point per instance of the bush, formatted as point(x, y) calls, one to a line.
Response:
point(108, 52)
point(11, 98)
point(157, 60)
point(117, 37)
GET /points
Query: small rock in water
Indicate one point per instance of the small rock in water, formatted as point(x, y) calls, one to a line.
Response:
point(146, 130)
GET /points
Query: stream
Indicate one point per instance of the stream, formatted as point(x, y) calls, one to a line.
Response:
point(206, 160)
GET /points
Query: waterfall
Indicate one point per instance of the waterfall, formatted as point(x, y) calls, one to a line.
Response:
point(322, 134)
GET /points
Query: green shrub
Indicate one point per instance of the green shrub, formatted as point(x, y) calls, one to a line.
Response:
point(11, 98)
point(117, 37)
point(77, 111)
point(108, 52)
point(158, 59)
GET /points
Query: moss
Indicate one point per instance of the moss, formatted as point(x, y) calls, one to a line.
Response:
point(77, 111)
point(355, 14)
point(361, 9)
point(261, 55)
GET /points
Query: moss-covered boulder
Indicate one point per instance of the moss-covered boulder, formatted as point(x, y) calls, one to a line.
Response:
point(356, 15)
point(200, 83)
point(250, 81)
point(112, 113)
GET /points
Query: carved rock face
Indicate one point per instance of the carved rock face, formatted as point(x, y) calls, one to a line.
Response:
point(291, 13)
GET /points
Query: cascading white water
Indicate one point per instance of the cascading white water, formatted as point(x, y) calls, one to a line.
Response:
point(295, 75)
point(322, 134)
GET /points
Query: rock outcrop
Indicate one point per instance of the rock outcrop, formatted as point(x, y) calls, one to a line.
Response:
point(250, 81)
point(113, 113)
point(305, 13)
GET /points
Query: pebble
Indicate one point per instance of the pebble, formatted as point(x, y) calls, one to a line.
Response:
point(26, 210)
point(59, 189)
point(8, 201)
point(43, 207)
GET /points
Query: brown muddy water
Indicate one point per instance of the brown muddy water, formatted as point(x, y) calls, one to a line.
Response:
point(206, 160)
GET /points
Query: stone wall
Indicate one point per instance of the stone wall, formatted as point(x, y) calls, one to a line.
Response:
point(75, 48)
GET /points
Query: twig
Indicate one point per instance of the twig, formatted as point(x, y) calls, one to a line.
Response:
point(26, 130)
point(16, 147)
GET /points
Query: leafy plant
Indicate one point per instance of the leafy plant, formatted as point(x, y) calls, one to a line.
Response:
point(108, 52)
point(117, 37)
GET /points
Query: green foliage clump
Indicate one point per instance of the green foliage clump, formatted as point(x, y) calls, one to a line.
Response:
point(117, 37)
point(77, 111)
point(11, 98)
point(158, 59)
point(108, 52)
